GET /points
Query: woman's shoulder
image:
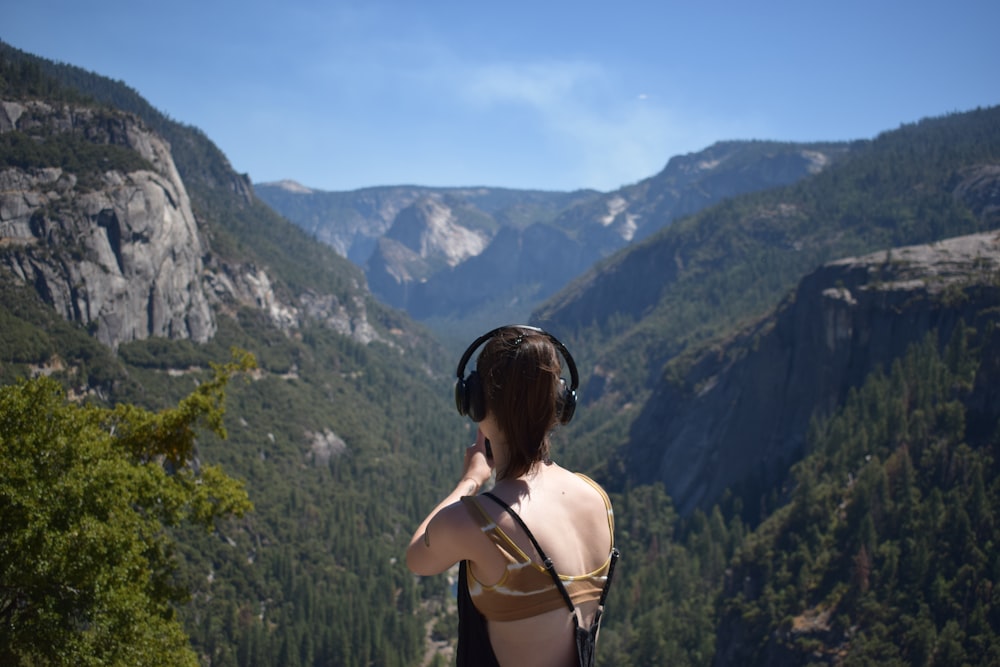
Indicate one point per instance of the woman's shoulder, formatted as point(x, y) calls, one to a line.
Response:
point(596, 487)
point(557, 494)
point(591, 482)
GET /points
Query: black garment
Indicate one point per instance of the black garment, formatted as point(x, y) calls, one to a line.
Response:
point(474, 648)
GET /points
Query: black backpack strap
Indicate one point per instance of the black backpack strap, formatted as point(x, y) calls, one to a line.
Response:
point(586, 638)
point(546, 561)
point(611, 572)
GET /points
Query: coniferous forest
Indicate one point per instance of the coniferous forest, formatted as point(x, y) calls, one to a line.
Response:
point(168, 502)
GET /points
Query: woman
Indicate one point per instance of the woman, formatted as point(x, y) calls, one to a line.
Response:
point(512, 610)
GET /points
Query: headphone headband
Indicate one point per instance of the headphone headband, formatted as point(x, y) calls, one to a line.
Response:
point(468, 405)
point(574, 380)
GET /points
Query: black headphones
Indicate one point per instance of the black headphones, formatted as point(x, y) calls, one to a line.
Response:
point(470, 399)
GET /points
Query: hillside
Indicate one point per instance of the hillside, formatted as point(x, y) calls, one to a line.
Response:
point(874, 549)
point(881, 552)
point(744, 387)
point(737, 416)
point(133, 258)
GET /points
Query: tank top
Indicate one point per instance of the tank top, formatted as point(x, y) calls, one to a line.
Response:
point(526, 589)
point(474, 648)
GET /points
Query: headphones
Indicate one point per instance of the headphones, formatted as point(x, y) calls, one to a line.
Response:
point(470, 399)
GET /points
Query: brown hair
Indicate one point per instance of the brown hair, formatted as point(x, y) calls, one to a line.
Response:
point(520, 374)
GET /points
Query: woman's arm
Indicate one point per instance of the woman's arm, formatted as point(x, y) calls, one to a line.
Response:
point(442, 538)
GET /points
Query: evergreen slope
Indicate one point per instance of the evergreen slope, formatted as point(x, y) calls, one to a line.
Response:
point(340, 443)
point(882, 554)
point(885, 551)
point(700, 275)
point(646, 316)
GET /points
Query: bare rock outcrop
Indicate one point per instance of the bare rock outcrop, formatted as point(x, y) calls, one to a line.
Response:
point(125, 257)
point(116, 247)
point(739, 415)
point(424, 238)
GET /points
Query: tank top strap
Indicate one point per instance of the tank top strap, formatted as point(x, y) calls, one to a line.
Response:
point(607, 504)
point(489, 526)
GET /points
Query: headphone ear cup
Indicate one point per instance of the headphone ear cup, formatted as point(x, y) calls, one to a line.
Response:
point(475, 399)
point(469, 399)
point(461, 397)
point(567, 402)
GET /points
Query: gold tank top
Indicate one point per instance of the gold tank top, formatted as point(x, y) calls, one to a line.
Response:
point(526, 588)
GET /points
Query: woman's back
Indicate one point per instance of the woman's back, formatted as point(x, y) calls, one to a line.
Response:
point(570, 518)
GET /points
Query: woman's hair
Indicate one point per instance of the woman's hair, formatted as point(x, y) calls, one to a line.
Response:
point(520, 374)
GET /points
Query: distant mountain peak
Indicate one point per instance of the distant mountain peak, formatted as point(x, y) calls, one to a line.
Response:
point(429, 228)
point(289, 185)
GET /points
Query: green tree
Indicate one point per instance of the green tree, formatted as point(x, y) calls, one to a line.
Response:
point(87, 494)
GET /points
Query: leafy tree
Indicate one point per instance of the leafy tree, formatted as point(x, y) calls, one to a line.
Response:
point(86, 496)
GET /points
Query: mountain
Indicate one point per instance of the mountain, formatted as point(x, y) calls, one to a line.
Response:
point(640, 317)
point(880, 548)
point(738, 415)
point(405, 237)
point(872, 541)
point(795, 392)
point(504, 251)
point(137, 269)
point(132, 259)
point(352, 222)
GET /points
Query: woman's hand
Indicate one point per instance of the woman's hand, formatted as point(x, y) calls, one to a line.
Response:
point(478, 466)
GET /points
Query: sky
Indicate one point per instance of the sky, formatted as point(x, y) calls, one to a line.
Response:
point(341, 95)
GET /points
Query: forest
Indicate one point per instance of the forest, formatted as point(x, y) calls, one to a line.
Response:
point(186, 476)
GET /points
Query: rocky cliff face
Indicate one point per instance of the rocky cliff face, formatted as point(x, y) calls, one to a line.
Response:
point(424, 238)
point(352, 222)
point(739, 415)
point(121, 251)
point(125, 257)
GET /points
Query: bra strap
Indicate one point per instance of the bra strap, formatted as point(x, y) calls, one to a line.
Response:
point(546, 561)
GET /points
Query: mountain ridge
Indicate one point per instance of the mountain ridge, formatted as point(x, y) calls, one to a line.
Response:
point(556, 236)
point(640, 317)
point(767, 240)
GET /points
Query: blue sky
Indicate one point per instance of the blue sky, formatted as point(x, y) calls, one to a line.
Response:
point(543, 95)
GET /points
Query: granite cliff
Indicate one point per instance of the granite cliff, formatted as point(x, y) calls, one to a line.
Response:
point(119, 248)
point(737, 416)
point(124, 257)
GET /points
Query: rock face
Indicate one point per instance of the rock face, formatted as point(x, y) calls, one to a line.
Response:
point(740, 415)
point(500, 253)
point(119, 250)
point(423, 238)
point(124, 258)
